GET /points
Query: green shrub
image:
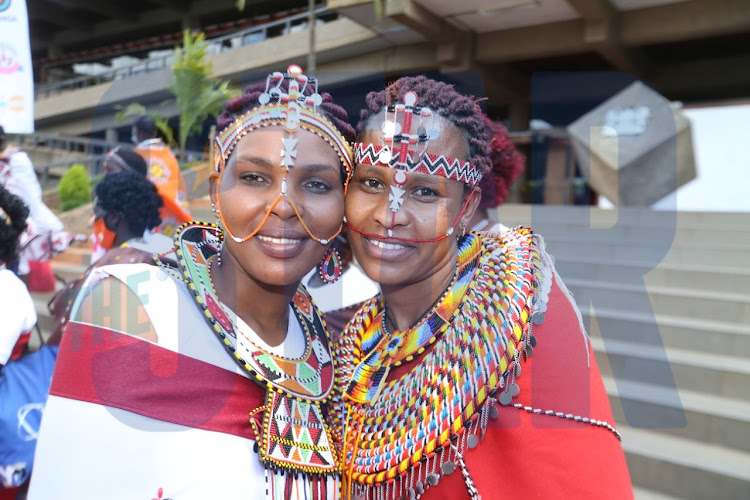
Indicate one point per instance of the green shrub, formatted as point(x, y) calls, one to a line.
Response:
point(75, 188)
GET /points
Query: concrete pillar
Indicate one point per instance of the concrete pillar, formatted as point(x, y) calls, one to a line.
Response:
point(110, 135)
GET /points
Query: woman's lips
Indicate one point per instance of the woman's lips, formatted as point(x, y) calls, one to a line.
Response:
point(281, 247)
point(389, 250)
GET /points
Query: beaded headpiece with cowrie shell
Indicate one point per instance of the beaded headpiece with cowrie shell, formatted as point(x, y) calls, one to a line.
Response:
point(292, 109)
point(406, 152)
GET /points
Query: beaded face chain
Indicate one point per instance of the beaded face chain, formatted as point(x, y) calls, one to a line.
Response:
point(293, 434)
point(292, 110)
point(415, 431)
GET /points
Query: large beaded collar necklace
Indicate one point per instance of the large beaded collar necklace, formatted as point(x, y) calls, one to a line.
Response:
point(401, 438)
point(293, 435)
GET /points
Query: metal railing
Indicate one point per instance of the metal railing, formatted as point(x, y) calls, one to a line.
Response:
point(94, 152)
point(231, 41)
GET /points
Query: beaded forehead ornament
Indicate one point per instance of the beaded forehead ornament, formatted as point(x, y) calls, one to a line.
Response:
point(395, 153)
point(292, 110)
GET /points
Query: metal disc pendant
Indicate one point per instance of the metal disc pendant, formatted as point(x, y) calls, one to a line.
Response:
point(419, 487)
point(399, 176)
point(529, 350)
point(421, 131)
point(517, 369)
point(472, 441)
point(533, 341)
point(448, 468)
point(514, 389)
point(317, 99)
point(264, 98)
point(412, 494)
point(505, 398)
point(494, 412)
point(537, 318)
point(542, 307)
point(433, 479)
point(432, 133)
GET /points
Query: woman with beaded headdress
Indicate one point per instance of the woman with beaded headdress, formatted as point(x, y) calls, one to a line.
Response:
point(437, 398)
point(218, 390)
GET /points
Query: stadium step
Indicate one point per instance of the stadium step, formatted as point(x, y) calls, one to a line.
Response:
point(710, 419)
point(717, 279)
point(713, 374)
point(699, 335)
point(685, 468)
point(673, 301)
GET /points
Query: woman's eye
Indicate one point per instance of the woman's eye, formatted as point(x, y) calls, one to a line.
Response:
point(254, 179)
point(372, 185)
point(317, 186)
point(425, 193)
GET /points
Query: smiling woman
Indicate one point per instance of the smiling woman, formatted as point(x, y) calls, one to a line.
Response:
point(232, 332)
point(433, 402)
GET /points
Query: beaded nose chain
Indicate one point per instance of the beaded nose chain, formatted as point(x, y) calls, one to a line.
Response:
point(292, 110)
point(394, 153)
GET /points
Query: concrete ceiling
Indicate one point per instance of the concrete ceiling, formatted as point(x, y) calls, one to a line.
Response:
point(60, 27)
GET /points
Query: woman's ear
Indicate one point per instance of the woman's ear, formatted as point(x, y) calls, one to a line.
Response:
point(475, 196)
point(213, 186)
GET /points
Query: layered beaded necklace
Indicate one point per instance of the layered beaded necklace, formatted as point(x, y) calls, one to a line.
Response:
point(293, 436)
point(402, 435)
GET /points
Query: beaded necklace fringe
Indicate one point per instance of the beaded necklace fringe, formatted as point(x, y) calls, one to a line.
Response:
point(292, 437)
point(400, 439)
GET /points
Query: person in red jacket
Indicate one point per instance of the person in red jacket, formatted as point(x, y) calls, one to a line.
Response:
point(470, 375)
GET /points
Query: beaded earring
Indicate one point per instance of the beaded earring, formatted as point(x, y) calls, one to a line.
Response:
point(330, 267)
point(218, 225)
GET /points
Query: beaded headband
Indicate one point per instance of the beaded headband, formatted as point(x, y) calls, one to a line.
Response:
point(118, 159)
point(395, 153)
point(292, 110)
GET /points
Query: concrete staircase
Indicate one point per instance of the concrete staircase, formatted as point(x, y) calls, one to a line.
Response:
point(663, 314)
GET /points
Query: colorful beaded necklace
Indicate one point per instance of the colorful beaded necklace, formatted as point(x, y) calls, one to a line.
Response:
point(294, 435)
point(418, 424)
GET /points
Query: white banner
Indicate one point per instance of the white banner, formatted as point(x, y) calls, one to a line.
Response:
point(16, 71)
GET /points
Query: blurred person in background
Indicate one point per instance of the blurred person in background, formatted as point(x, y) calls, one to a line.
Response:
point(45, 235)
point(127, 206)
point(164, 172)
point(16, 306)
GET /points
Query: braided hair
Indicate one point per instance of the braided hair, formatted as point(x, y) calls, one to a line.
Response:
point(12, 223)
point(133, 196)
point(248, 100)
point(507, 164)
point(443, 99)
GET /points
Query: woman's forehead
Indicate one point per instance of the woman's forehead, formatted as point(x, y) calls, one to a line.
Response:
point(451, 141)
